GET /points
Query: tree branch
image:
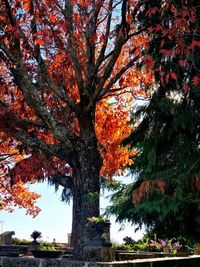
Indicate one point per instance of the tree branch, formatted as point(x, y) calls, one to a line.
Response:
point(44, 71)
point(31, 94)
point(63, 180)
point(103, 49)
point(68, 13)
point(61, 133)
point(13, 23)
point(39, 124)
point(117, 76)
point(41, 146)
point(91, 28)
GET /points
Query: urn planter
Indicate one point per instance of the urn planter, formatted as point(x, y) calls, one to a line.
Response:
point(99, 234)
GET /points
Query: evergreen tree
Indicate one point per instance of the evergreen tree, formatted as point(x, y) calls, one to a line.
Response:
point(165, 195)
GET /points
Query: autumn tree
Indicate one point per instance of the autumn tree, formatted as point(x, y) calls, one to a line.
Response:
point(165, 193)
point(68, 75)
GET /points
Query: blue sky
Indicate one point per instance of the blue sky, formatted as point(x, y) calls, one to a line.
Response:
point(54, 221)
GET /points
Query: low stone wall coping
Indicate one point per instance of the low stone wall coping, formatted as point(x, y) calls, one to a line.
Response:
point(190, 261)
point(150, 260)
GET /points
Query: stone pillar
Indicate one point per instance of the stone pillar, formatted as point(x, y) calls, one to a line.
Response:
point(69, 235)
point(34, 245)
point(99, 247)
point(103, 254)
point(6, 238)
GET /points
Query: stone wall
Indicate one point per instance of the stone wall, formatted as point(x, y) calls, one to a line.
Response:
point(192, 261)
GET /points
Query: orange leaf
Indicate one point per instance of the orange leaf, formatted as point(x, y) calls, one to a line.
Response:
point(145, 188)
point(27, 5)
point(52, 18)
point(40, 41)
point(174, 76)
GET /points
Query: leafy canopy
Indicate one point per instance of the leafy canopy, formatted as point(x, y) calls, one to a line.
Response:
point(60, 62)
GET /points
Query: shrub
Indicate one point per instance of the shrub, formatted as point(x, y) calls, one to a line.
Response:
point(17, 241)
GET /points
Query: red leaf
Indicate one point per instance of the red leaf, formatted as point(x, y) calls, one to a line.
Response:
point(173, 9)
point(166, 52)
point(149, 61)
point(153, 10)
point(182, 63)
point(121, 81)
point(186, 87)
point(195, 43)
point(196, 80)
point(167, 77)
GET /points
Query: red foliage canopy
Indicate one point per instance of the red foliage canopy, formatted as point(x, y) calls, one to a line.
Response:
point(60, 59)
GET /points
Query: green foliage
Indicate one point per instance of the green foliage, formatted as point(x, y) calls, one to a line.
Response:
point(167, 140)
point(50, 244)
point(18, 241)
point(47, 248)
point(129, 240)
point(123, 247)
point(132, 245)
point(44, 245)
point(142, 244)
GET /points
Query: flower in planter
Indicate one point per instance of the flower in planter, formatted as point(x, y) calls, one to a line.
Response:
point(154, 245)
point(176, 245)
point(165, 245)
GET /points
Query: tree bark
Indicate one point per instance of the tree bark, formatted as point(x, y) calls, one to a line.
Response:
point(86, 185)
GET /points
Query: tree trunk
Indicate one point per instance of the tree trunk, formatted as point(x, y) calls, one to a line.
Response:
point(86, 187)
point(86, 192)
